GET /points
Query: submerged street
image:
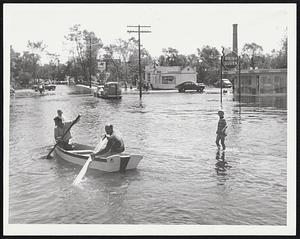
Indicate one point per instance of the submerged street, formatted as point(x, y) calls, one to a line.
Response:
point(182, 178)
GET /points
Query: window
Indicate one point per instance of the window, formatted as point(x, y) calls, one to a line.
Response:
point(168, 80)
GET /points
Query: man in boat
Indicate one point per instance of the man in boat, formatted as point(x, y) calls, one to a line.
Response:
point(59, 114)
point(221, 130)
point(61, 129)
point(115, 144)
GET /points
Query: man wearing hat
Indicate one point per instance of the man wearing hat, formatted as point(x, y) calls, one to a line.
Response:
point(221, 130)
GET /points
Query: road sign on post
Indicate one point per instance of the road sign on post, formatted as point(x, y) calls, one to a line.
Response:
point(101, 66)
point(230, 60)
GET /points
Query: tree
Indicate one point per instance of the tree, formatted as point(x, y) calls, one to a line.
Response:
point(86, 46)
point(15, 66)
point(54, 59)
point(194, 61)
point(122, 59)
point(209, 64)
point(252, 52)
point(171, 56)
point(36, 48)
point(280, 59)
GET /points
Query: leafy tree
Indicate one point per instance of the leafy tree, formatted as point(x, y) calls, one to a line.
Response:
point(280, 59)
point(35, 48)
point(209, 64)
point(253, 53)
point(86, 47)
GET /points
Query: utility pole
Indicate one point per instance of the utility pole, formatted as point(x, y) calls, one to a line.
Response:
point(11, 64)
point(221, 81)
point(58, 70)
point(139, 38)
point(239, 80)
point(90, 70)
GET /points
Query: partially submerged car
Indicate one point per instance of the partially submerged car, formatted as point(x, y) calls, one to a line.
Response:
point(111, 90)
point(190, 86)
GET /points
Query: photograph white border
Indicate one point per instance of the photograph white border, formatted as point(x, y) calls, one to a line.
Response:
point(70, 229)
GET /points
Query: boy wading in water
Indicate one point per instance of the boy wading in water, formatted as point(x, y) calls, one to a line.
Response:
point(221, 130)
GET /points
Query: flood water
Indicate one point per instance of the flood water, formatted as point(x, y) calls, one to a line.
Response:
point(182, 179)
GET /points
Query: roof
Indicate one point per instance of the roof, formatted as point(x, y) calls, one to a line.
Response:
point(170, 69)
point(259, 71)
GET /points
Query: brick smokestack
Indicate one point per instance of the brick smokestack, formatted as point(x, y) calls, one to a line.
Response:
point(234, 40)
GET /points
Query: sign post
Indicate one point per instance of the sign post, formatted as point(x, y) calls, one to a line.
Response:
point(101, 66)
point(230, 61)
point(221, 81)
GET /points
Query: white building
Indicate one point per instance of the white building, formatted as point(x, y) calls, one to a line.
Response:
point(167, 77)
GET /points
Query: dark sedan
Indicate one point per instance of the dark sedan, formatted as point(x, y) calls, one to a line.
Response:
point(190, 85)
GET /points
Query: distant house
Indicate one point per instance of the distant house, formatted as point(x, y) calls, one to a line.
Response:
point(167, 77)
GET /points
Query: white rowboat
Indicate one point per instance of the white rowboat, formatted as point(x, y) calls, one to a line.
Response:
point(114, 163)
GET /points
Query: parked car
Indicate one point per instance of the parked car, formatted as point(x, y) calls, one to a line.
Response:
point(226, 84)
point(190, 85)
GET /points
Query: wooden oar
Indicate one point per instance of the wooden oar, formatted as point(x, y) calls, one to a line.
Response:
point(74, 122)
point(86, 165)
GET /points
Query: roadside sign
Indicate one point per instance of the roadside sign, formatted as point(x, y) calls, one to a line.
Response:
point(230, 60)
point(101, 65)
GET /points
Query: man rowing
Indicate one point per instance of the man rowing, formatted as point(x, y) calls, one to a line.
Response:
point(60, 115)
point(115, 144)
point(62, 133)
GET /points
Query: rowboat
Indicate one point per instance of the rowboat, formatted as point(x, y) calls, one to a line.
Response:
point(114, 163)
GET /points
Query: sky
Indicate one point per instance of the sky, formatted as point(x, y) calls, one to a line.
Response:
point(184, 27)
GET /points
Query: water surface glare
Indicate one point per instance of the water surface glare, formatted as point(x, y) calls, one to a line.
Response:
point(182, 179)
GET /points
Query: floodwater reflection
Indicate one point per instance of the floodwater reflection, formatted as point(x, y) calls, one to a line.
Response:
point(221, 164)
point(279, 102)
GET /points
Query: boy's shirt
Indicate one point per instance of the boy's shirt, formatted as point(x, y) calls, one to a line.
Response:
point(221, 126)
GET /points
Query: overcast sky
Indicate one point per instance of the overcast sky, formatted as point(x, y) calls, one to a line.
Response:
point(185, 27)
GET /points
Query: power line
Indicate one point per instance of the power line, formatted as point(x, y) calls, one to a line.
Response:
point(139, 31)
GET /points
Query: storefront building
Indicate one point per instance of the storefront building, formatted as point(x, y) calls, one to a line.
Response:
point(260, 82)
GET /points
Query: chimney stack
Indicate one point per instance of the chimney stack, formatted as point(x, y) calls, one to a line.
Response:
point(234, 42)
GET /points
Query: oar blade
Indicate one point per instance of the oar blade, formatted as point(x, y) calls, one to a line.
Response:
point(82, 171)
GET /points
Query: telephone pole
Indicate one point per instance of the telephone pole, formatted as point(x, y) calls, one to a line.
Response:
point(139, 31)
point(90, 70)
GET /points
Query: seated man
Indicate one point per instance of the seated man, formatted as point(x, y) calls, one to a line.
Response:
point(115, 144)
point(60, 132)
point(59, 114)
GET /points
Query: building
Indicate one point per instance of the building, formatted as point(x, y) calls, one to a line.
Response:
point(260, 82)
point(167, 77)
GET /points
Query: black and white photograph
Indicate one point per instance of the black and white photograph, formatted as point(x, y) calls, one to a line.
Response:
point(149, 119)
